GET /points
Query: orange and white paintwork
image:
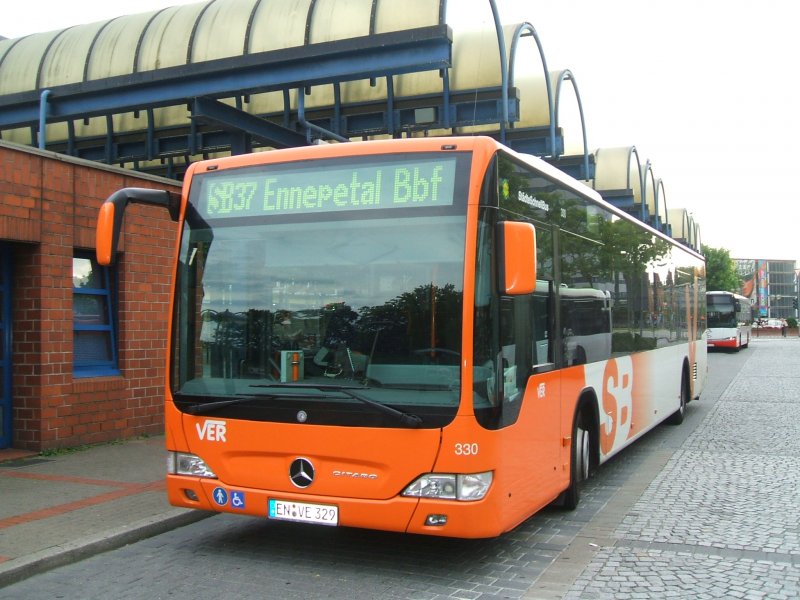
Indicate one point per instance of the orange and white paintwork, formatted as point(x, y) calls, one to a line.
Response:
point(530, 460)
point(363, 471)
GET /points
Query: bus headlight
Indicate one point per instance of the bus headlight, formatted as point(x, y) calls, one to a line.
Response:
point(181, 463)
point(448, 486)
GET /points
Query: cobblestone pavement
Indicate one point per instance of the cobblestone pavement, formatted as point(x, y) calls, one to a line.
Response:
point(722, 519)
point(709, 509)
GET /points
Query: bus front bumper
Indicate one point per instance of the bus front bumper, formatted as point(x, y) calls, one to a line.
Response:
point(399, 514)
point(723, 343)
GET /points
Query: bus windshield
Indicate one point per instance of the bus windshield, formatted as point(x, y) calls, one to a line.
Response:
point(284, 304)
point(721, 310)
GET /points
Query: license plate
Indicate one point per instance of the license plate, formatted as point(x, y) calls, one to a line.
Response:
point(303, 512)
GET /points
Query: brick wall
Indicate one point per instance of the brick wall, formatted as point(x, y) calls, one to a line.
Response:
point(48, 209)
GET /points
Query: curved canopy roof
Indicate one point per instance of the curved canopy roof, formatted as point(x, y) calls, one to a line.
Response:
point(158, 90)
point(162, 87)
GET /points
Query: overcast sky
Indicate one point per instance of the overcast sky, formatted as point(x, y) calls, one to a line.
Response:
point(704, 89)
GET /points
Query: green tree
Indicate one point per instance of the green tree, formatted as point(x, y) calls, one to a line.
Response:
point(721, 271)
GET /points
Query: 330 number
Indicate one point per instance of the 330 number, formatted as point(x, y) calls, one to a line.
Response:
point(470, 449)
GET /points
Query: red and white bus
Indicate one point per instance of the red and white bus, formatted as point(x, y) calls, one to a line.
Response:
point(730, 320)
point(438, 336)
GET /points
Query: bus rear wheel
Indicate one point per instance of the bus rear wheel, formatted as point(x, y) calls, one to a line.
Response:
point(579, 467)
point(677, 417)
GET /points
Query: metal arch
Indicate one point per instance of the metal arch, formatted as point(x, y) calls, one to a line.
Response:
point(566, 75)
point(309, 19)
point(190, 44)
point(10, 48)
point(689, 230)
point(373, 14)
point(142, 35)
point(519, 33)
point(641, 180)
point(44, 56)
point(643, 186)
point(683, 230)
point(97, 35)
point(698, 243)
point(249, 29)
point(631, 151)
point(501, 45)
point(661, 197)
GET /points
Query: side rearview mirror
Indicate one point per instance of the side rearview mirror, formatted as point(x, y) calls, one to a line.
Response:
point(112, 211)
point(517, 261)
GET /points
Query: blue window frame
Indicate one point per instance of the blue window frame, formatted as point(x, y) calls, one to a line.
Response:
point(94, 320)
point(5, 346)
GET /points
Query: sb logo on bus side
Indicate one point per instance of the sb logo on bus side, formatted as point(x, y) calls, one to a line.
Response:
point(617, 402)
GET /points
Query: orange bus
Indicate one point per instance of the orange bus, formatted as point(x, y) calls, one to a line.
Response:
point(438, 336)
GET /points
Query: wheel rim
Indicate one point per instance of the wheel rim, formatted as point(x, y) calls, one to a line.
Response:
point(582, 454)
point(684, 398)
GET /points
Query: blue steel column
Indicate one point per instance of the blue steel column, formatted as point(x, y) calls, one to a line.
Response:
point(43, 106)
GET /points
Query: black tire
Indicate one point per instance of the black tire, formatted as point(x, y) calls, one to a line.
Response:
point(677, 417)
point(580, 356)
point(579, 465)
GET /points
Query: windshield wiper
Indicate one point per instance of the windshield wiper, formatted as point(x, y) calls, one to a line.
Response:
point(408, 419)
point(207, 407)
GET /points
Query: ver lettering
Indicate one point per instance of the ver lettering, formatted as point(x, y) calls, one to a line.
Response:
point(212, 431)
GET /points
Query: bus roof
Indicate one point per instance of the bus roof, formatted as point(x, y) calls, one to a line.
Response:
point(476, 144)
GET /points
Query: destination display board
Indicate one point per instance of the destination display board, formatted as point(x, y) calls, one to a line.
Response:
point(326, 186)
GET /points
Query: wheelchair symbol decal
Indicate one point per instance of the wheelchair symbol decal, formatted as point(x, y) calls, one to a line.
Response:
point(237, 500)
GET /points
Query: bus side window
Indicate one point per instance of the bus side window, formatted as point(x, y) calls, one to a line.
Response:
point(540, 317)
point(525, 339)
point(513, 347)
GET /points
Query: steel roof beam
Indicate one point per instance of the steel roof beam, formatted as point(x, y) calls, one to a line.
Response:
point(393, 53)
point(235, 120)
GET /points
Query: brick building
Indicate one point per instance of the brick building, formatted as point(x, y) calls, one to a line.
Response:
point(83, 348)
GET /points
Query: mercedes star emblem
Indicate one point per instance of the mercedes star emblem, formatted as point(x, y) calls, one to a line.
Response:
point(301, 472)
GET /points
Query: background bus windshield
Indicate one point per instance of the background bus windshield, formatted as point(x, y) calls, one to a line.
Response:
point(721, 311)
point(373, 304)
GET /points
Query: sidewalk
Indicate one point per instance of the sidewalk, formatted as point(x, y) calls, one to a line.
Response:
point(59, 509)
